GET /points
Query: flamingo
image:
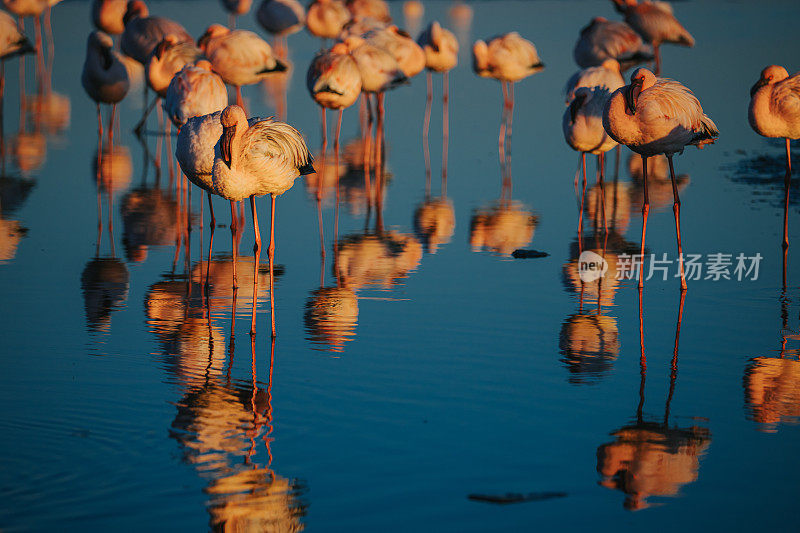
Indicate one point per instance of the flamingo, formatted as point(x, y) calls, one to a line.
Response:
point(656, 23)
point(775, 112)
point(379, 73)
point(604, 39)
point(108, 15)
point(583, 120)
point(326, 18)
point(281, 18)
point(195, 91)
point(143, 32)
point(104, 77)
point(413, 11)
point(440, 47)
point(507, 58)
point(254, 159)
point(334, 82)
point(166, 60)
point(31, 8)
point(240, 57)
point(658, 116)
point(236, 8)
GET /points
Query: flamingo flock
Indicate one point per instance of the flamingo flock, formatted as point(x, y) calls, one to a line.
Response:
point(229, 154)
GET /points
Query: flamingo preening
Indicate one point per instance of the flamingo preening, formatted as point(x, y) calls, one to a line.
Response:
point(657, 116)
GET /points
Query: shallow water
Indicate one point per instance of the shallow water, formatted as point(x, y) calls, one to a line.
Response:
point(428, 372)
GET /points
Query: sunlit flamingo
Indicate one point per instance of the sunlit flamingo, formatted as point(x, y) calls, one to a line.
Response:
point(507, 58)
point(775, 112)
point(358, 27)
point(264, 157)
point(195, 91)
point(241, 57)
point(374, 9)
point(108, 15)
point(408, 54)
point(104, 77)
point(605, 39)
point(334, 81)
point(657, 116)
point(655, 22)
point(281, 18)
point(326, 18)
point(441, 55)
point(236, 8)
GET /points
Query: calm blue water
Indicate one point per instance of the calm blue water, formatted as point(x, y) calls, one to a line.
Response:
point(413, 379)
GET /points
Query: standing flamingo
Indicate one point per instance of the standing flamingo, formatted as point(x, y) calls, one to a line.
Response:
point(657, 116)
point(441, 55)
point(240, 57)
point(194, 100)
point(104, 77)
point(263, 157)
point(143, 32)
point(326, 18)
point(281, 18)
point(656, 23)
point(236, 8)
point(775, 112)
point(605, 39)
point(334, 82)
point(507, 58)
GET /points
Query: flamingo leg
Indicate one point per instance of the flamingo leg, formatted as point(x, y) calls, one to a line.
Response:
point(111, 127)
point(379, 149)
point(676, 209)
point(212, 225)
point(501, 150)
point(271, 255)
point(786, 182)
point(234, 225)
point(367, 151)
point(256, 256)
point(645, 212)
point(425, 130)
point(583, 196)
point(2, 117)
point(239, 99)
point(601, 182)
point(232, 21)
point(336, 162)
point(37, 29)
point(149, 109)
point(100, 139)
point(510, 122)
point(673, 375)
point(445, 128)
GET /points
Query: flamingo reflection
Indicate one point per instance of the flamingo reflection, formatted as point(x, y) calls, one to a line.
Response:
point(652, 457)
point(149, 218)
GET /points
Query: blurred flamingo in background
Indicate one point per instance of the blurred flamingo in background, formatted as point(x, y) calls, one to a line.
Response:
point(326, 18)
point(605, 39)
point(235, 8)
point(281, 18)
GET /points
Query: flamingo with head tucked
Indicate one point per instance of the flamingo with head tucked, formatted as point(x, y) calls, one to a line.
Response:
point(658, 116)
point(605, 39)
point(254, 159)
point(240, 57)
point(104, 77)
point(775, 112)
point(656, 23)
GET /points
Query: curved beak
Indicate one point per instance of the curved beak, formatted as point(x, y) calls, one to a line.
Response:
point(632, 95)
point(225, 143)
point(759, 84)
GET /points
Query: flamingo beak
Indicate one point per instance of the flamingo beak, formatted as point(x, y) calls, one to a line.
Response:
point(225, 143)
point(632, 94)
point(759, 84)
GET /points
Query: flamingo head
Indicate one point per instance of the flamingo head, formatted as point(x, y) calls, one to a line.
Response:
point(771, 74)
point(213, 31)
point(641, 79)
point(230, 118)
point(204, 64)
point(166, 43)
point(134, 9)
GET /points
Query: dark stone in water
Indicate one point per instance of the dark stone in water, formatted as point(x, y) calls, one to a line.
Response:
point(528, 254)
point(511, 497)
